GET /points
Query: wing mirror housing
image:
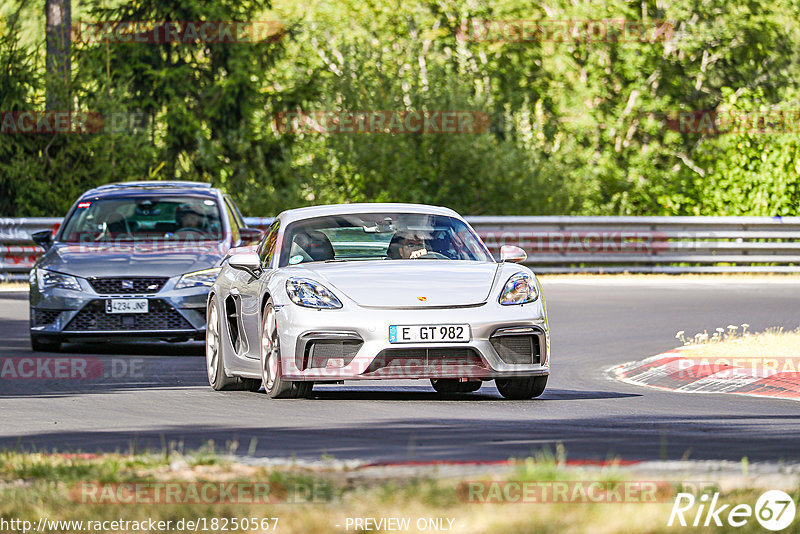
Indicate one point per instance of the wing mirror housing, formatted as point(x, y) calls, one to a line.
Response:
point(250, 235)
point(246, 261)
point(43, 238)
point(512, 254)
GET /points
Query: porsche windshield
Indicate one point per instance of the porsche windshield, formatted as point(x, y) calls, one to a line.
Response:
point(144, 218)
point(372, 236)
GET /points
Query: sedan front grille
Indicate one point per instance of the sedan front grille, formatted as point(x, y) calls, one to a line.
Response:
point(160, 316)
point(127, 286)
point(44, 317)
point(517, 349)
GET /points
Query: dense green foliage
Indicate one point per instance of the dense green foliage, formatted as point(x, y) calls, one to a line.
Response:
point(577, 127)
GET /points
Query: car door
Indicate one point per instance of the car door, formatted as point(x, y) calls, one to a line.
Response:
point(252, 321)
point(243, 297)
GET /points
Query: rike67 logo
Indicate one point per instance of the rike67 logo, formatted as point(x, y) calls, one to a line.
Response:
point(774, 510)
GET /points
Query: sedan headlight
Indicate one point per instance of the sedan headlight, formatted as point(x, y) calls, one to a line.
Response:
point(310, 294)
point(520, 289)
point(53, 280)
point(206, 278)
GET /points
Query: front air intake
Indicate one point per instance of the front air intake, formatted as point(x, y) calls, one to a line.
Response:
point(519, 349)
point(339, 352)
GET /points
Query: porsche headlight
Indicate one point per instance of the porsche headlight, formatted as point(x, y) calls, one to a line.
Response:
point(53, 280)
point(206, 278)
point(310, 294)
point(520, 289)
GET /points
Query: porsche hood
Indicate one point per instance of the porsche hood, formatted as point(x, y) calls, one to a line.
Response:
point(407, 283)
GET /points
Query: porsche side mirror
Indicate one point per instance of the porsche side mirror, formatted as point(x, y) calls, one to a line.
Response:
point(246, 261)
point(43, 238)
point(512, 254)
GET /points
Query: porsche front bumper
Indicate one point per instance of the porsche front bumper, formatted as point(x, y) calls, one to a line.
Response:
point(348, 344)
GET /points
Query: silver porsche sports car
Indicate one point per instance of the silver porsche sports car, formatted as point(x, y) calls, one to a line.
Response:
point(376, 291)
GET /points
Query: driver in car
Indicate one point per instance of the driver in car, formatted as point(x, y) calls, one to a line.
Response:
point(190, 218)
point(408, 246)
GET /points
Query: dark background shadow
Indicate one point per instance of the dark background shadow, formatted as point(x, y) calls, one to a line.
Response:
point(476, 439)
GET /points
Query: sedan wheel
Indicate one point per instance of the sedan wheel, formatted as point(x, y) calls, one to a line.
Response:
point(44, 344)
point(275, 386)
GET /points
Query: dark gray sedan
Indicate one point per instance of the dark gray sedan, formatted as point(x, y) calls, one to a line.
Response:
point(131, 261)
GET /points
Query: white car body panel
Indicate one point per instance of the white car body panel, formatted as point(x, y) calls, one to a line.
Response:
point(400, 283)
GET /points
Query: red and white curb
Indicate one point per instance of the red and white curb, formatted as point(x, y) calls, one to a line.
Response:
point(757, 377)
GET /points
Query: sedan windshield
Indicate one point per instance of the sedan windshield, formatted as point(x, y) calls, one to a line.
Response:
point(373, 236)
point(144, 218)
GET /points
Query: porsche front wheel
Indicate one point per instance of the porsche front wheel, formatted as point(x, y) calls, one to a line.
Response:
point(521, 388)
point(271, 372)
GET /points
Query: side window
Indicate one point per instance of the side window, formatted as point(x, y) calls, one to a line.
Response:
point(233, 220)
point(267, 248)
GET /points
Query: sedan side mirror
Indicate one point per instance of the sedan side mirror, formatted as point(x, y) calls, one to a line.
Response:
point(43, 238)
point(246, 261)
point(250, 235)
point(512, 254)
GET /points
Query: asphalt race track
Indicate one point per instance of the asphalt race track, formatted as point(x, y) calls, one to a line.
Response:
point(156, 395)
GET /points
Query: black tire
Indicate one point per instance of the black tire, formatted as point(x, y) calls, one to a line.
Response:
point(453, 385)
point(215, 361)
point(45, 344)
point(521, 388)
point(274, 384)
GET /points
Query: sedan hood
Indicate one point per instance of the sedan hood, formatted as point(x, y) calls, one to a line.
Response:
point(407, 283)
point(132, 259)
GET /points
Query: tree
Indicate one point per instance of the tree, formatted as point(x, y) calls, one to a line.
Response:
point(58, 14)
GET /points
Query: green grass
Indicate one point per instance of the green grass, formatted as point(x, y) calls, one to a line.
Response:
point(34, 485)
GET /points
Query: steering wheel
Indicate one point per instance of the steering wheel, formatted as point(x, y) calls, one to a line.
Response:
point(190, 230)
point(431, 255)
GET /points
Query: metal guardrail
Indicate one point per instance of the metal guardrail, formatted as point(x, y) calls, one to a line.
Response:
point(649, 244)
point(566, 244)
point(17, 251)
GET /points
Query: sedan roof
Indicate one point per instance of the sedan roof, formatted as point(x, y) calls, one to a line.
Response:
point(128, 189)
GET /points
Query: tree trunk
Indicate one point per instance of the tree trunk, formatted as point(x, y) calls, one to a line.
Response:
point(58, 14)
